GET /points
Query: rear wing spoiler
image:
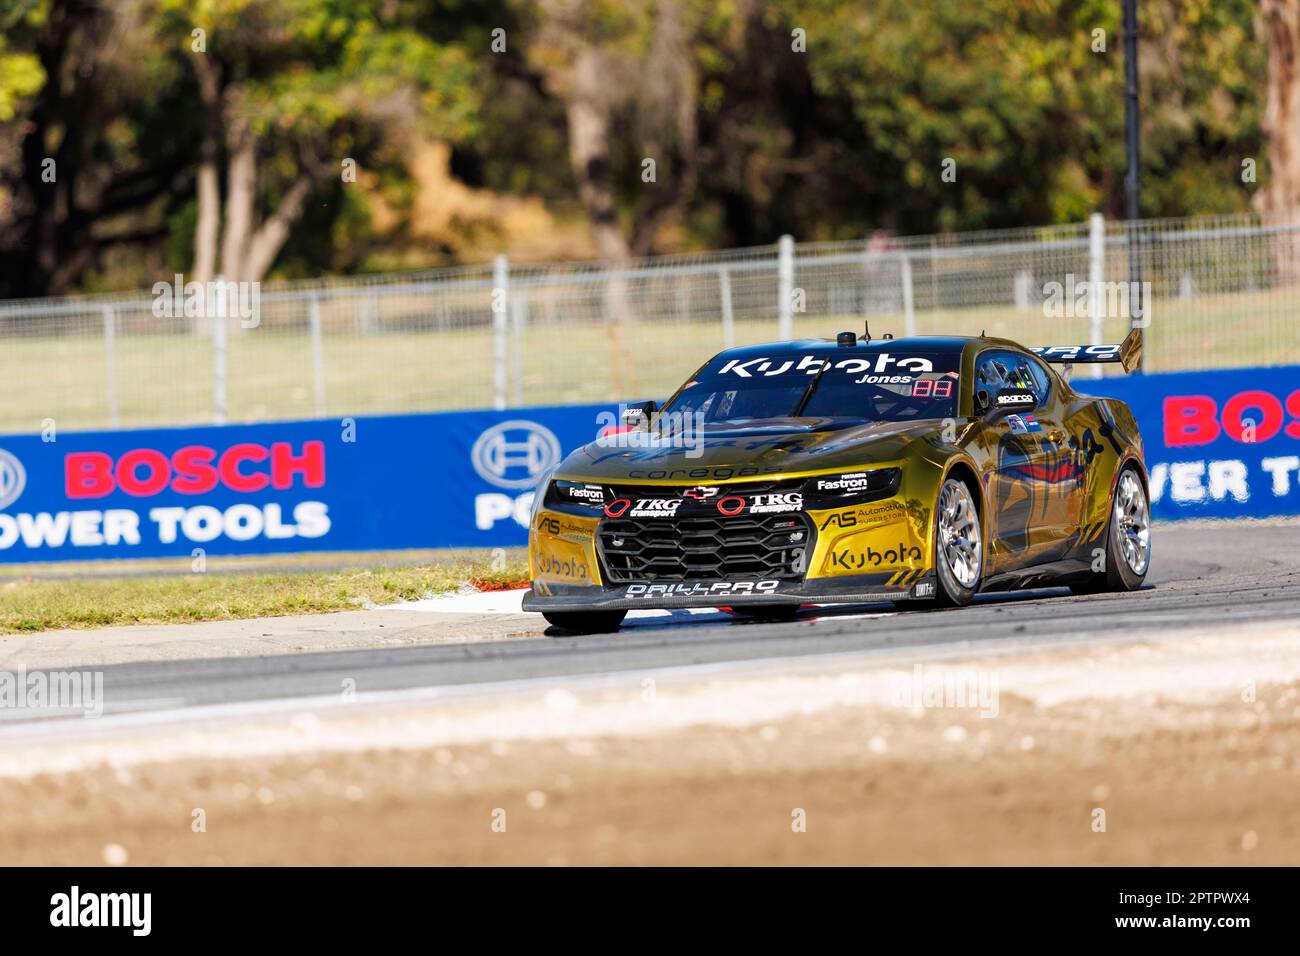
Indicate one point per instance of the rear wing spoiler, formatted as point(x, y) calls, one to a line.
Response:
point(1128, 353)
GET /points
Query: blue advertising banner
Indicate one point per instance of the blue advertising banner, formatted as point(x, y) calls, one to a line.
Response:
point(1219, 444)
point(401, 481)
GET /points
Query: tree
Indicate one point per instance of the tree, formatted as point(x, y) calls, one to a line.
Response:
point(1280, 24)
point(294, 94)
point(97, 145)
point(627, 76)
point(1028, 104)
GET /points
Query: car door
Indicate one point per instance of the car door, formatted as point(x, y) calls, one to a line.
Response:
point(1033, 491)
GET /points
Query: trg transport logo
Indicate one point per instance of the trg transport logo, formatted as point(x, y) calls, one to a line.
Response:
point(13, 479)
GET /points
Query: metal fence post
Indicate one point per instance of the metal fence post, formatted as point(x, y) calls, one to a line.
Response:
point(219, 366)
point(909, 309)
point(518, 316)
point(500, 293)
point(317, 356)
point(1096, 276)
point(785, 287)
point(728, 320)
point(110, 364)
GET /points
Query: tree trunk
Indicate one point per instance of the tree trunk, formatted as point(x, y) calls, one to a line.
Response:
point(587, 109)
point(1278, 201)
point(588, 119)
point(241, 195)
point(207, 229)
point(269, 239)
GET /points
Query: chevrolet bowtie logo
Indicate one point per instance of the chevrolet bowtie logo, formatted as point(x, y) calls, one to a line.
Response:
point(701, 492)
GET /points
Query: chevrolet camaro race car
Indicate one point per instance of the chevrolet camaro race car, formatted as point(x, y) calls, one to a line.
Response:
point(924, 470)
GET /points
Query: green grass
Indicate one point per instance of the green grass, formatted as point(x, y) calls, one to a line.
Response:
point(167, 379)
point(32, 599)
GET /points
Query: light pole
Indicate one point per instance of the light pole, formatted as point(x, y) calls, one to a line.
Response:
point(1132, 179)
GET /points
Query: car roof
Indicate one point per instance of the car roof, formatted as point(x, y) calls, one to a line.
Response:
point(914, 343)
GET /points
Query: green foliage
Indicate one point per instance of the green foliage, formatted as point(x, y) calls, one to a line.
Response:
point(1018, 95)
point(21, 74)
point(832, 142)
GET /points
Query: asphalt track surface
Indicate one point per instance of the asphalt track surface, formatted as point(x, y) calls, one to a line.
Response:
point(1203, 576)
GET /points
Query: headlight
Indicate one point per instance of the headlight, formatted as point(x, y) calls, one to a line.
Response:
point(851, 487)
point(584, 494)
point(539, 497)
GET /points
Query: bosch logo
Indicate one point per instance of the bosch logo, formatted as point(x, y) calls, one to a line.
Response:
point(13, 478)
point(515, 454)
point(194, 470)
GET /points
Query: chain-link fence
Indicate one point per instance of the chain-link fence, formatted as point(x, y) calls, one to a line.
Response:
point(1219, 291)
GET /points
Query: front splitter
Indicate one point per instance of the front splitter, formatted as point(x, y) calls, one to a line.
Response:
point(689, 594)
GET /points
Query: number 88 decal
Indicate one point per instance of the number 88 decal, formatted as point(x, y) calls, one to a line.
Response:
point(931, 388)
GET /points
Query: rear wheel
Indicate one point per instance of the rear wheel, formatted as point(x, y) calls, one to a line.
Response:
point(958, 545)
point(1128, 539)
point(585, 622)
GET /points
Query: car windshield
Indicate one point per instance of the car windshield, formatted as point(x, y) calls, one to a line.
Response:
point(872, 386)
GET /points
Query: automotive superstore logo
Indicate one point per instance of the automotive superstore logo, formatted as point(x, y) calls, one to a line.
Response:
point(246, 468)
point(511, 455)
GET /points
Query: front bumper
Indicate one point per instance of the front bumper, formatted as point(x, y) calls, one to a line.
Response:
point(898, 586)
point(864, 549)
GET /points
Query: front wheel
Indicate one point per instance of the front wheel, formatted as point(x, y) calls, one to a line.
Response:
point(958, 545)
point(1128, 539)
point(585, 622)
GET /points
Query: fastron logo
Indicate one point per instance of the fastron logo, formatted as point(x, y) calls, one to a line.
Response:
point(514, 454)
point(13, 478)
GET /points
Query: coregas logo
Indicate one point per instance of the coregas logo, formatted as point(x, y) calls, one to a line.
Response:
point(13, 478)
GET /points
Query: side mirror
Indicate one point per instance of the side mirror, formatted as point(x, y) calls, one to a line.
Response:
point(1006, 401)
point(640, 414)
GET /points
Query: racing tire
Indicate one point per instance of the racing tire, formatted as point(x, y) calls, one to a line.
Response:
point(585, 622)
point(1128, 538)
point(958, 545)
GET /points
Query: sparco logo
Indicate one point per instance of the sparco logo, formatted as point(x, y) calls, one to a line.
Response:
point(13, 478)
point(513, 454)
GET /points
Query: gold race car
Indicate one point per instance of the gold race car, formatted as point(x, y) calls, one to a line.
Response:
point(924, 469)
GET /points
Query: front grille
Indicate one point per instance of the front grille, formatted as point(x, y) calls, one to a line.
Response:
point(745, 488)
point(705, 547)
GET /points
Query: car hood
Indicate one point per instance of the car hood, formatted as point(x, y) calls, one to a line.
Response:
point(753, 448)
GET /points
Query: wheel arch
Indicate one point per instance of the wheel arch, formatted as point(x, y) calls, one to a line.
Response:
point(965, 470)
